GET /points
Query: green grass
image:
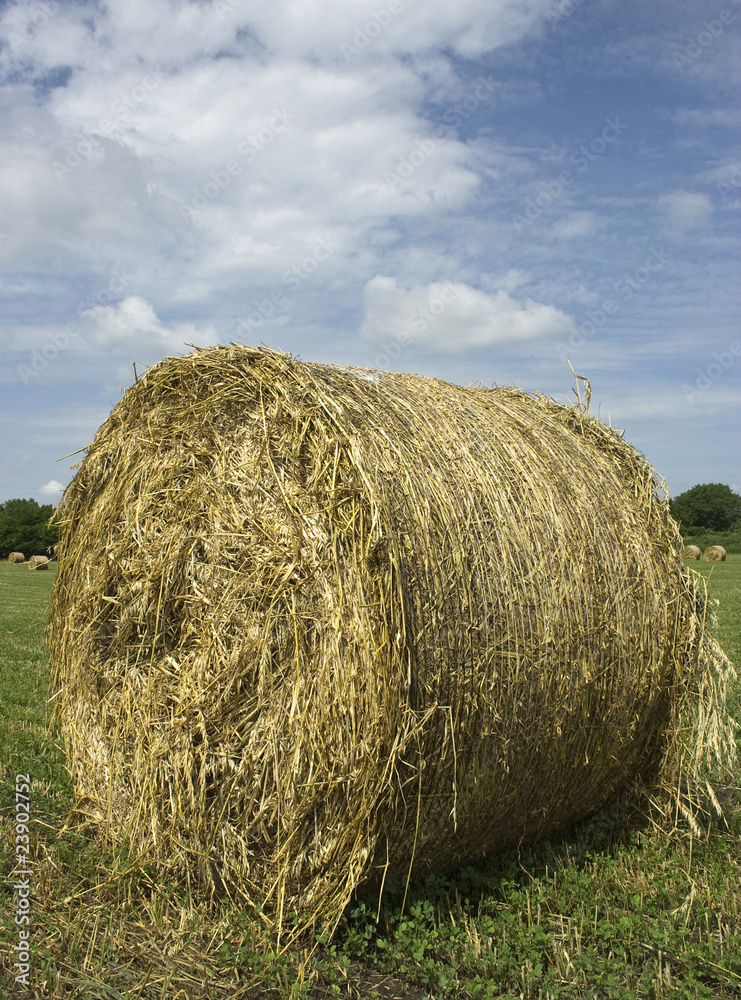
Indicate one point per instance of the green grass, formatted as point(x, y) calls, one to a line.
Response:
point(600, 912)
point(724, 586)
point(24, 672)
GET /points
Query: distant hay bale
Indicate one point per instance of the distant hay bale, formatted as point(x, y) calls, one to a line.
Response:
point(38, 562)
point(715, 553)
point(316, 624)
point(691, 552)
point(16, 557)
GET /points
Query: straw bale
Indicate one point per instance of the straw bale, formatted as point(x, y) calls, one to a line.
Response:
point(691, 552)
point(714, 553)
point(16, 557)
point(316, 624)
point(38, 562)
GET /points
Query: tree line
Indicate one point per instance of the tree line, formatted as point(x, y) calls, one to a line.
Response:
point(24, 527)
point(707, 507)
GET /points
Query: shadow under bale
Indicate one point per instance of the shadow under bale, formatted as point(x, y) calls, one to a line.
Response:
point(313, 624)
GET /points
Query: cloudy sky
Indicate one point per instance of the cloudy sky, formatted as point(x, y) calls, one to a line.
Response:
point(480, 191)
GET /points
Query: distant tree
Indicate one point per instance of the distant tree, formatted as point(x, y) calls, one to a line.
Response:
point(24, 527)
point(708, 505)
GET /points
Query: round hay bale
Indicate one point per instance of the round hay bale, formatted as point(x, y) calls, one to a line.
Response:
point(16, 557)
point(315, 624)
point(38, 562)
point(691, 552)
point(714, 553)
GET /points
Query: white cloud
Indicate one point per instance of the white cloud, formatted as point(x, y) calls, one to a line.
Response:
point(133, 322)
point(686, 209)
point(345, 30)
point(508, 280)
point(125, 165)
point(51, 489)
point(574, 224)
point(403, 155)
point(704, 119)
point(452, 316)
point(211, 156)
point(682, 401)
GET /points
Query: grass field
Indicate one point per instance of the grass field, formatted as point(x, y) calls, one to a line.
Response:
point(599, 913)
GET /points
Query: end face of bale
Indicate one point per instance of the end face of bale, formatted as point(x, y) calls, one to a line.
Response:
point(314, 624)
point(691, 552)
point(715, 553)
point(16, 557)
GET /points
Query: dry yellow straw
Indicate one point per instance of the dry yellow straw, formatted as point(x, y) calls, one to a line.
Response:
point(317, 624)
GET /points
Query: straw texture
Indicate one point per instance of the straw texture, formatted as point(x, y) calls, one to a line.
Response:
point(313, 624)
point(38, 562)
point(714, 553)
point(16, 557)
point(691, 552)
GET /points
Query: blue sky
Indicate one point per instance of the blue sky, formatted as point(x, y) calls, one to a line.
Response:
point(479, 192)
